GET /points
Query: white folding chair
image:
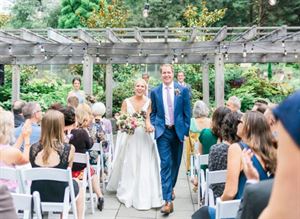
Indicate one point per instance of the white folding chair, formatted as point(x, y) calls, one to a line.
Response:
point(100, 162)
point(30, 204)
point(87, 177)
point(213, 177)
point(53, 174)
point(201, 160)
point(227, 209)
point(9, 173)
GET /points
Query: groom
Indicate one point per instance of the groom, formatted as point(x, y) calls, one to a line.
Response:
point(170, 116)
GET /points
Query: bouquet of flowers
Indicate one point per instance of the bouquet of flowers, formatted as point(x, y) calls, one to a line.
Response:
point(128, 123)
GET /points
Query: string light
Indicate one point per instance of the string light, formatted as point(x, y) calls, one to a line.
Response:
point(141, 52)
point(9, 49)
point(71, 50)
point(282, 44)
point(244, 51)
point(146, 10)
point(296, 56)
point(82, 61)
point(226, 56)
point(285, 52)
point(175, 59)
point(182, 55)
point(45, 57)
point(42, 48)
point(97, 58)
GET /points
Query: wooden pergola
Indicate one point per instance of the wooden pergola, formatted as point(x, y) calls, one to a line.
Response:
point(195, 45)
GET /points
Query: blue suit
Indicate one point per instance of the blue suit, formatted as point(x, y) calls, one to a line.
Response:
point(170, 141)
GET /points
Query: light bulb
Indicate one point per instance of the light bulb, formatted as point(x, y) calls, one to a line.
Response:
point(244, 53)
point(272, 2)
point(97, 58)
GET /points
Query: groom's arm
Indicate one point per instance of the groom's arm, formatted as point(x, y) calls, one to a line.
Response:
point(186, 110)
point(153, 108)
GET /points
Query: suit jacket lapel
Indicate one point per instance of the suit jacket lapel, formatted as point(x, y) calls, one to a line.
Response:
point(160, 97)
point(176, 86)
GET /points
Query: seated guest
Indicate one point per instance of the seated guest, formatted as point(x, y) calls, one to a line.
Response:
point(70, 122)
point(234, 104)
point(101, 127)
point(83, 142)
point(73, 101)
point(256, 135)
point(256, 194)
point(51, 151)
point(17, 110)
point(285, 196)
point(12, 156)
point(260, 106)
point(217, 159)
point(56, 106)
point(199, 122)
point(211, 136)
point(33, 112)
point(7, 209)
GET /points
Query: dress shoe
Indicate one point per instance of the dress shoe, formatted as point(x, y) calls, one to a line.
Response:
point(173, 195)
point(100, 203)
point(167, 208)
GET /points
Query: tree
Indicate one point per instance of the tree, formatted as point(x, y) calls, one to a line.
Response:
point(4, 20)
point(108, 15)
point(73, 10)
point(203, 19)
point(24, 13)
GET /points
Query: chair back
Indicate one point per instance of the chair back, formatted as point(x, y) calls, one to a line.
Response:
point(30, 204)
point(201, 160)
point(52, 174)
point(227, 209)
point(213, 177)
point(9, 173)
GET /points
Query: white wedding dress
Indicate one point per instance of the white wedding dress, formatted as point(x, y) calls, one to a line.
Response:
point(136, 173)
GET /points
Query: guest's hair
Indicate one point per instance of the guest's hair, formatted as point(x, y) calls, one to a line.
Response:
point(69, 115)
point(29, 109)
point(56, 106)
point(52, 134)
point(217, 120)
point(73, 101)
point(236, 101)
point(257, 131)
point(6, 127)
point(18, 106)
point(83, 115)
point(76, 79)
point(98, 109)
point(200, 109)
point(167, 65)
point(229, 127)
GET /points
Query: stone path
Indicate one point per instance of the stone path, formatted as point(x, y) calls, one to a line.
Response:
point(184, 205)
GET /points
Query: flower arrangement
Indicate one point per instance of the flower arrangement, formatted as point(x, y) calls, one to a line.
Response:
point(128, 123)
point(177, 91)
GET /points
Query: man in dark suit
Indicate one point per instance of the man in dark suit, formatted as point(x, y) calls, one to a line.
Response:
point(181, 82)
point(170, 116)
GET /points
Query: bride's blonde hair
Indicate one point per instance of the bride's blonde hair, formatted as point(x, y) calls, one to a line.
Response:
point(140, 80)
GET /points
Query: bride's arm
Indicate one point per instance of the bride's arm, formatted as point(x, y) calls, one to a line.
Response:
point(124, 107)
point(149, 126)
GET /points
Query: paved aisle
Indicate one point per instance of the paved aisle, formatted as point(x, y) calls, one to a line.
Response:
point(184, 204)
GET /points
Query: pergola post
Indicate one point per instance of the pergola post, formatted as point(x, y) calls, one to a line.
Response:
point(205, 83)
point(88, 74)
point(109, 90)
point(219, 80)
point(16, 79)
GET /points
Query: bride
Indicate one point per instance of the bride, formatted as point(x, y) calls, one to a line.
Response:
point(135, 174)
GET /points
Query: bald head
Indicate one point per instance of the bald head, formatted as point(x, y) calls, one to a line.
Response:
point(18, 106)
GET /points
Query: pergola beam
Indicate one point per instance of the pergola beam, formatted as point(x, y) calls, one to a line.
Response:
point(153, 59)
point(193, 36)
point(221, 35)
point(85, 36)
point(247, 35)
point(33, 37)
point(138, 36)
point(111, 36)
point(58, 37)
point(11, 39)
point(274, 35)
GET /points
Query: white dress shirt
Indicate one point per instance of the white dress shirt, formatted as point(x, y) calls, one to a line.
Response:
point(171, 90)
